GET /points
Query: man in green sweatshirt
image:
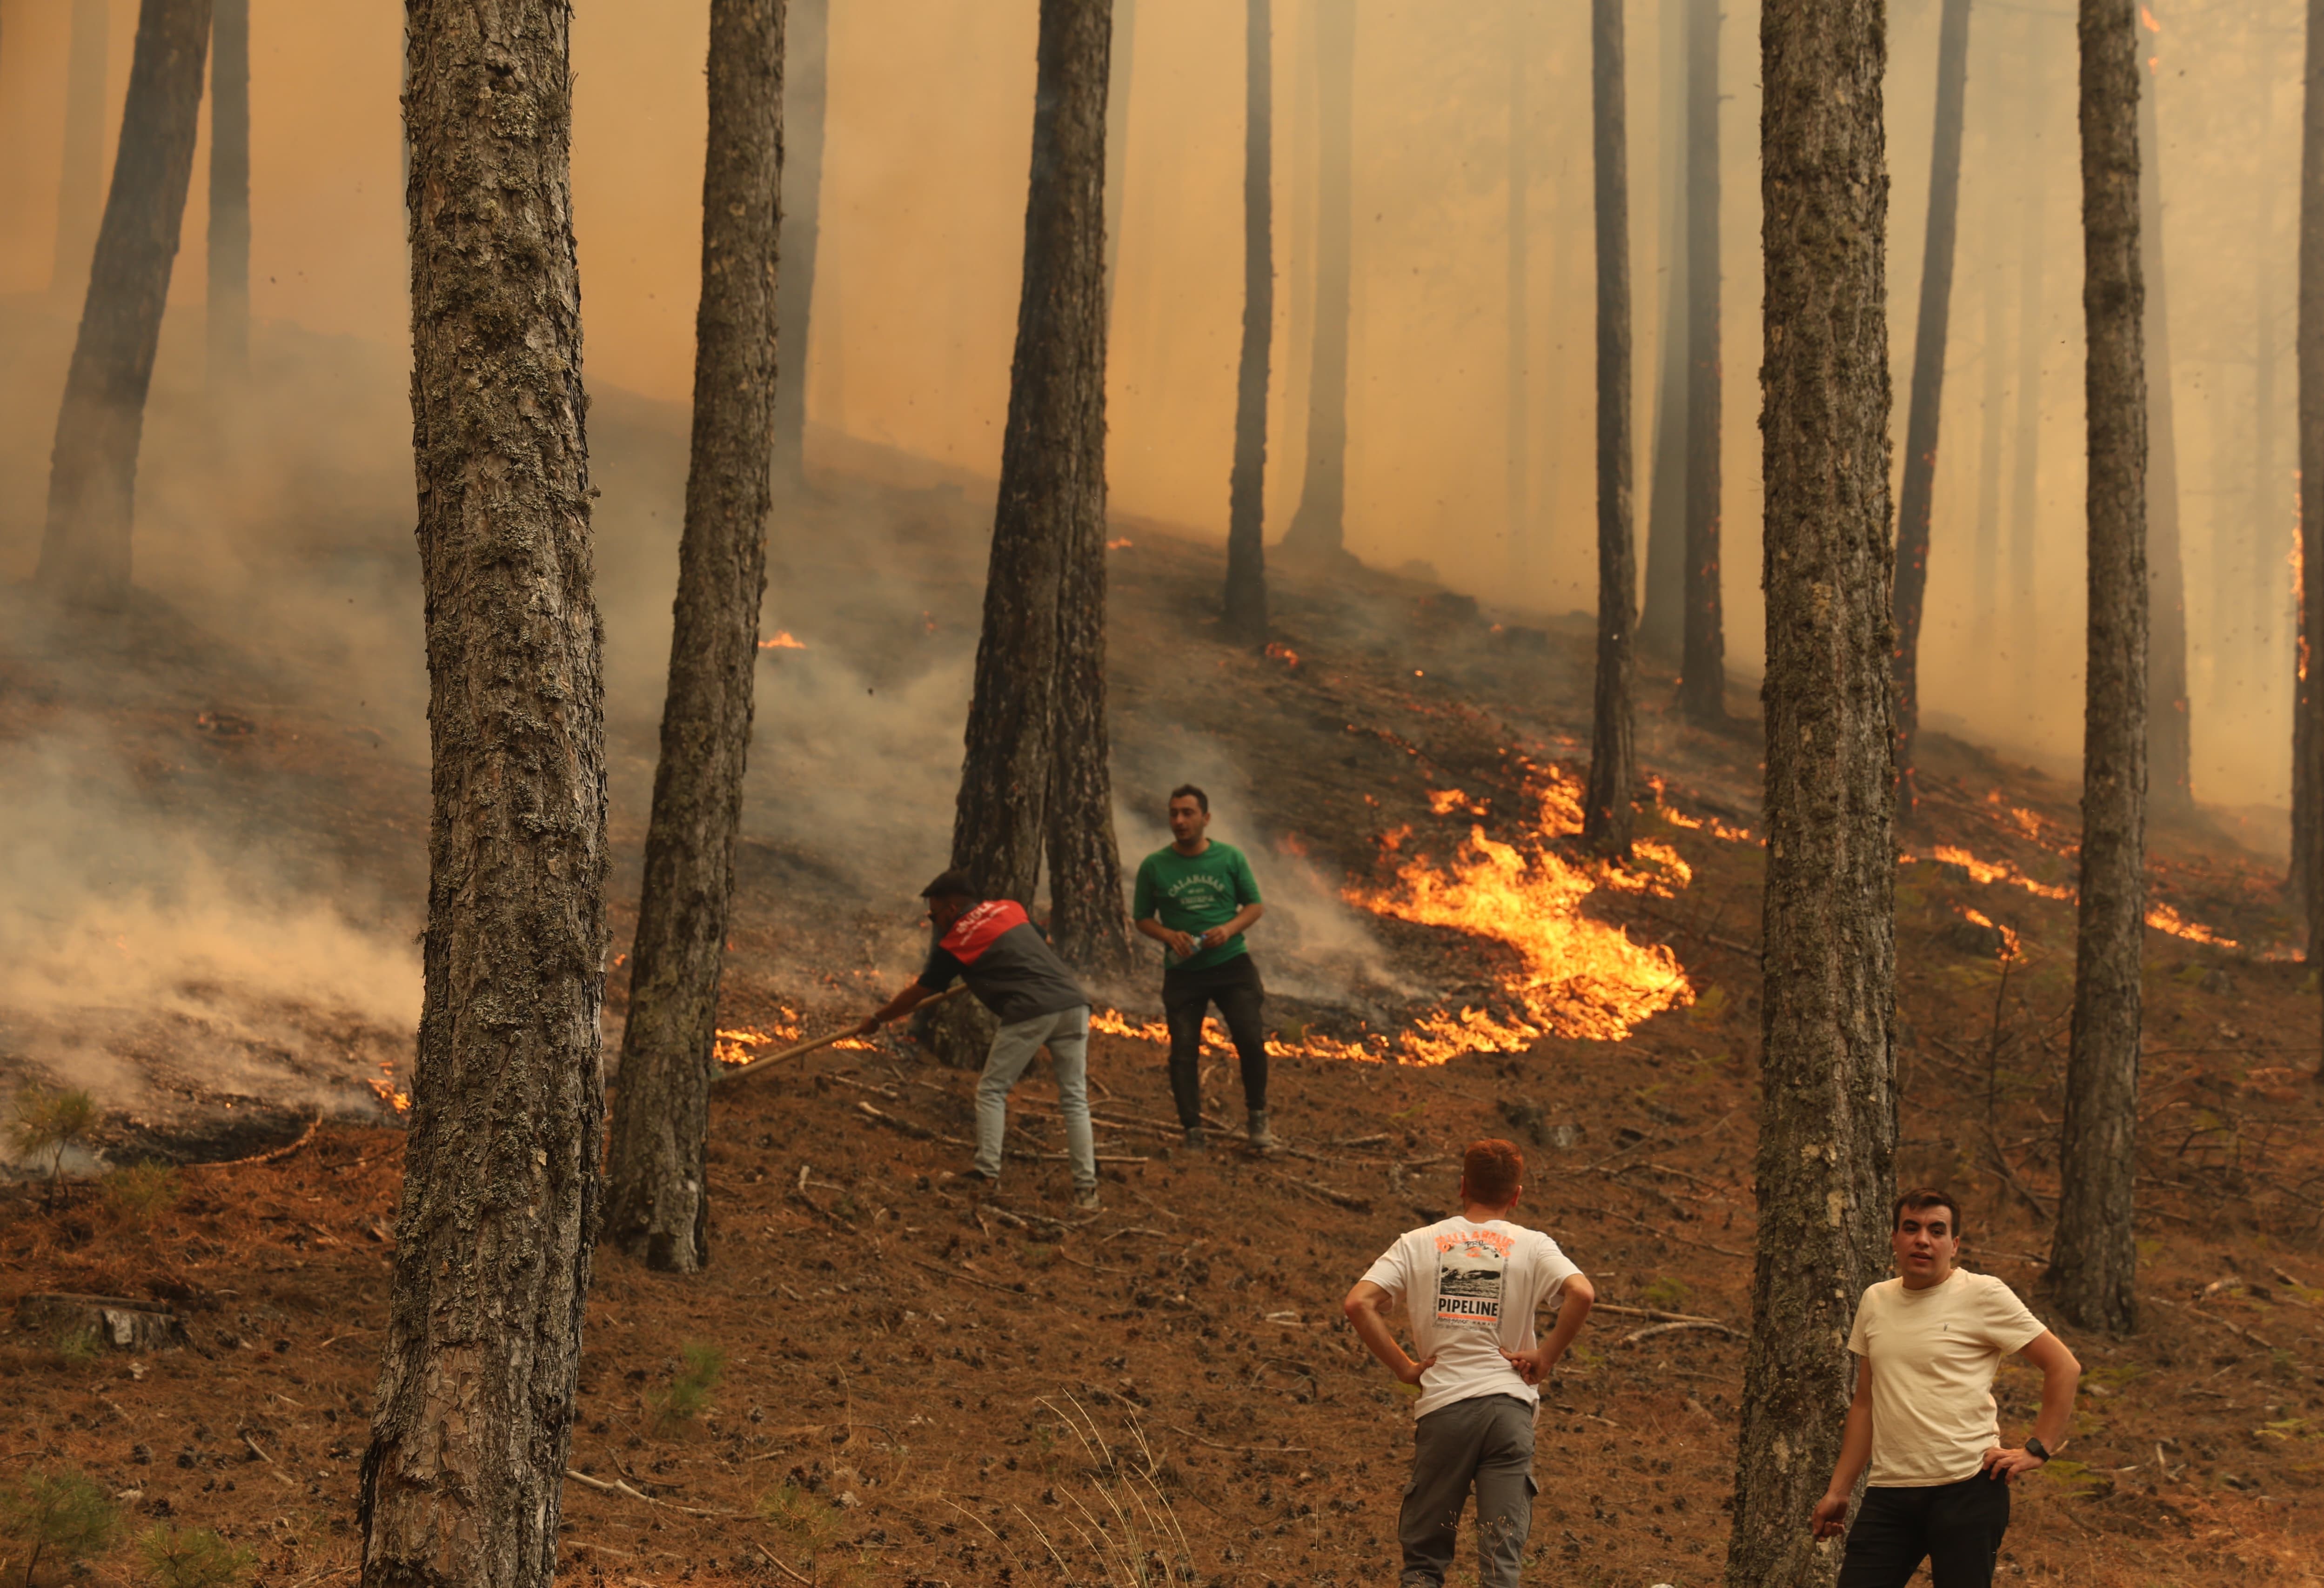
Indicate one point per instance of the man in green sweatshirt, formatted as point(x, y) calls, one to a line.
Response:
point(1195, 899)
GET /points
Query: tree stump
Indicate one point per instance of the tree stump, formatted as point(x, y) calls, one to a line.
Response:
point(121, 1324)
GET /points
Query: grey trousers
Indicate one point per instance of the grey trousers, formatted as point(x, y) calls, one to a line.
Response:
point(1485, 1442)
point(1066, 1036)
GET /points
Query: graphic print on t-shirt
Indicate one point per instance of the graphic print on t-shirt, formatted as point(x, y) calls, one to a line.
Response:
point(1471, 1268)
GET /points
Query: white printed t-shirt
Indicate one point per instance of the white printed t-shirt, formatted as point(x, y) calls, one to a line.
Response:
point(1933, 1352)
point(1471, 1291)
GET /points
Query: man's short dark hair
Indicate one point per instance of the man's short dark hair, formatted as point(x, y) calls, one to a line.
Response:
point(1188, 792)
point(1491, 1170)
point(949, 885)
point(1922, 1199)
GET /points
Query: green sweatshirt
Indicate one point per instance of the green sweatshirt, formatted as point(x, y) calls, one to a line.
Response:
point(1192, 893)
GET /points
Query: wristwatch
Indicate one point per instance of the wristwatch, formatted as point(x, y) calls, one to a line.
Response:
point(2036, 1449)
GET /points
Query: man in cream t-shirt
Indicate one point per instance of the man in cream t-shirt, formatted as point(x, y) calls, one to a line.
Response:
point(1927, 1344)
point(1470, 1286)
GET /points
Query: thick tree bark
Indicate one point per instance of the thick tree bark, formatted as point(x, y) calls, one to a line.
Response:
point(1052, 461)
point(1661, 620)
point(657, 1202)
point(807, 47)
point(2025, 467)
point(1828, 1114)
point(1517, 444)
point(1916, 499)
point(2307, 690)
point(1702, 666)
point(1606, 815)
point(1319, 524)
point(2170, 748)
point(93, 470)
point(472, 1424)
point(2093, 1253)
point(80, 200)
point(1246, 588)
point(229, 258)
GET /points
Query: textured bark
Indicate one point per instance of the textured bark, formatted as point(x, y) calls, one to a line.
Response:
point(1052, 461)
point(807, 45)
point(229, 240)
point(93, 470)
point(80, 200)
point(1917, 498)
point(1703, 665)
point(1087, 919)
point(1606, 815)
point(1246, 589)
point(657, 1202)
point(2169, 749)
point(1319, 524)
point(1516, 446)
point(1828, 1114)
point(472, 1423)
point(2307, 695)
point(2093, 1255)
point(1662, 621)
point(2025, 469)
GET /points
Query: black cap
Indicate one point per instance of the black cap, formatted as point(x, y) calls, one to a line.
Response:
point(949, 885)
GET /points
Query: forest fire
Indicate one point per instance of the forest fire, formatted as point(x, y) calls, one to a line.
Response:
point(784, 640)
point(741, 1047)
point(2161, 918)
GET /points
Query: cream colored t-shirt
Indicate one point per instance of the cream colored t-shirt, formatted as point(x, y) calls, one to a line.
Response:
point(1933, 1352)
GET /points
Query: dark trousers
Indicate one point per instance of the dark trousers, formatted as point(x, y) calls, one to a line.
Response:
point(1956, 1528)
point(1484, 1443)
point(1186, 996)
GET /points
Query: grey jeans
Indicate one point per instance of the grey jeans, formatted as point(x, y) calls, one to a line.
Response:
point(1066, 1036)
point(1485, 1442)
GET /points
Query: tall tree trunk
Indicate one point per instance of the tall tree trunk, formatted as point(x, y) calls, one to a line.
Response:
point(1319, 524)
point(1087, 921)
point(807, 49)
point(2169, 749)
point(2307, 689)
point(1702, 667)
point(1052, 461)
point(1246, 589)
point(1117, 140)
point(1517, 443)
point(658, 1201)
point(1605, 816)
point(1828, 1113)
point(471, 1422)
point(2025, 468)
point(1986, 584)
point(2093, 1253)
point(79, 198)
point(93, 470)
point(1917, 498)
point(229, 260)
point(1661, 620)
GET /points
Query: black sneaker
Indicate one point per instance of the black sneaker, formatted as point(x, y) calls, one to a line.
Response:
point(1196, 1140)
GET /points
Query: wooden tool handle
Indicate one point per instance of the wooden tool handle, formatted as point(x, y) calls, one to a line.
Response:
point(737, 1072)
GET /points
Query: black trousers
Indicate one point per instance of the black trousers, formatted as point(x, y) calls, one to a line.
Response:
point(1186, 997)
point(1956, 1528)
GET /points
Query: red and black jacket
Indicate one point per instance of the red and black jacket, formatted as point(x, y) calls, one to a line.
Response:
point(1008, 965)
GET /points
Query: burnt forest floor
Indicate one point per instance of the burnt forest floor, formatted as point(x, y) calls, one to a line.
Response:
point(919, 1386)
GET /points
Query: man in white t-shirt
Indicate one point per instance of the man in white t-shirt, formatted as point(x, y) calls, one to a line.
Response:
point(1469, 1287)
point(1927, 1342)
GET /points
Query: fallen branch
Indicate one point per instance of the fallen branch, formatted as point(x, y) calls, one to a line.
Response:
point(974, 1278)
point(1239, 1449)
point(1656, 1313)
point(1651, 1330)
point(1317, 1189)
point(738, 1071)
point(275, 1156)
point(260, 1454)
point(617, 1487)
point(779, 1566)
point(921, 1133)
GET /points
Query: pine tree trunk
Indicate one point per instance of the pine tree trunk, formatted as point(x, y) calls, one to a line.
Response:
point(2170, 750)
point(807, 47)
point(2025, 466)
point(1661, 620)
point(1702, 667)
point(229, 240)
point(1606, 816)
point(657, 1203)
point(80, 199)
point(1828, 1113)
point(1052, 461)
point(472, 1423)
point(1318, 529)
point(1916, 499)
point(93, 470)
point(1246, 588)
point(2093, 1253)
point(1517, 446)
point(2308, 690)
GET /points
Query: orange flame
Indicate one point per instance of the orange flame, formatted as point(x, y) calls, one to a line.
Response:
point(2008, 937)
point(737, 1046)
point(1283, 653)
point(2163, 919)
point(1120, 545)
point(783, 640)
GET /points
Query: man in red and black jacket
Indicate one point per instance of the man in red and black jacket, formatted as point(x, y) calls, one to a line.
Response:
point(993, 945)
